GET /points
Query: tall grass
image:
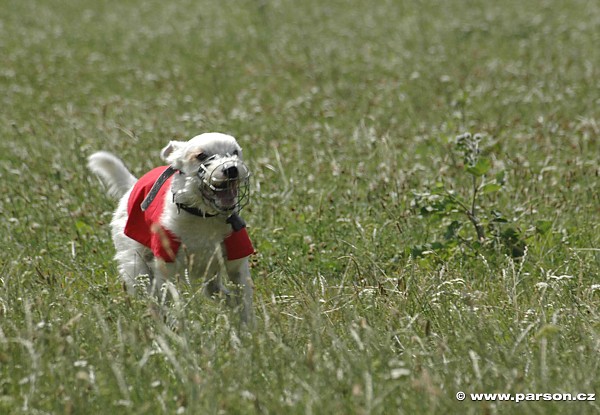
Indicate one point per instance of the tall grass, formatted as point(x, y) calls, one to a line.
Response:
point(346, 111)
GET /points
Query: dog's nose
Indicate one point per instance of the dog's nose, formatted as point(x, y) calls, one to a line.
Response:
point(231, 172)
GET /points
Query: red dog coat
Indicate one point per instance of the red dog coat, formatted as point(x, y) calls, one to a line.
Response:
point(144, 226)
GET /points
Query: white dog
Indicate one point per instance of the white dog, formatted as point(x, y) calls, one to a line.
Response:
point(181, 220)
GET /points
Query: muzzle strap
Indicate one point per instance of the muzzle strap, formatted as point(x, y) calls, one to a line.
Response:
point(156, 187)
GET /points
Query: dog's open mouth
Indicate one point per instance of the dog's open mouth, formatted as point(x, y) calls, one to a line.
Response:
point(226, 195)
point(225, 185)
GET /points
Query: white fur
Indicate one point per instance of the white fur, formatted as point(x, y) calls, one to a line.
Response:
point(113, 172)
point(201, 255)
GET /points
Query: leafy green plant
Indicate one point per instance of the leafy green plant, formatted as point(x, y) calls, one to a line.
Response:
point(470, 207)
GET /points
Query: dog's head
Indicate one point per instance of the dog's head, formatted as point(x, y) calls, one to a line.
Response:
point(211, 174)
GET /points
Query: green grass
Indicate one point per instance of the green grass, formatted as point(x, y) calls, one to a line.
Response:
point(345, 110)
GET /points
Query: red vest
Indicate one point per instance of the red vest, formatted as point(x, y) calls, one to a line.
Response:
point(145, 228)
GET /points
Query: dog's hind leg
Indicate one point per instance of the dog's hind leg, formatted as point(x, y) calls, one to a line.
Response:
point(134, 269)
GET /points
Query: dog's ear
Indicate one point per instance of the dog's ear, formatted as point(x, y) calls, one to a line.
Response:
point(172, 153)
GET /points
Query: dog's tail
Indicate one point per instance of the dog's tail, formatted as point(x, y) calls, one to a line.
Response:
point(113, 173)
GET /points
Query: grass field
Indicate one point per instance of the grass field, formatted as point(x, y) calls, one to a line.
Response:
point(374, 292)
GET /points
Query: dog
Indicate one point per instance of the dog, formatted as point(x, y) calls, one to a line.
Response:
point(182, 220)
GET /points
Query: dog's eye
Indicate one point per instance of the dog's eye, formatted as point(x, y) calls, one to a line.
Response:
point(236, 153)
point(201, 157)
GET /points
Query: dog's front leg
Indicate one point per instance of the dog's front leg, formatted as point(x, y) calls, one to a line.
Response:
point(239, 274)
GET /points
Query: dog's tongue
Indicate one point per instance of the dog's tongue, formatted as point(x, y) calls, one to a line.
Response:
point(227, 198)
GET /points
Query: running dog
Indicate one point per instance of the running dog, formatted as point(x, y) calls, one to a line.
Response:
point(181, 220)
